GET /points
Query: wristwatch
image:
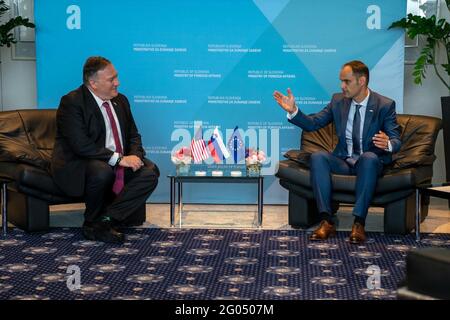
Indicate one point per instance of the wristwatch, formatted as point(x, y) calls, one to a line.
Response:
point(118, 160)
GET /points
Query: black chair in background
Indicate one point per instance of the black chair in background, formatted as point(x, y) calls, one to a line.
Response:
point(445, 104)
point(427, 275)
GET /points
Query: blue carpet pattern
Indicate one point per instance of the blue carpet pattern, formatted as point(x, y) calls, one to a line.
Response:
point(215, 264)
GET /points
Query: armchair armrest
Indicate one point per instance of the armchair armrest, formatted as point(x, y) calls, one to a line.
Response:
point(299, 156)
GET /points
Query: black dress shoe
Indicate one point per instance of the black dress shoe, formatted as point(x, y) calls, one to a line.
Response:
point(88, 232)
point(131, 224)
point(123, 225)
point(104, 232)
point(109, 235)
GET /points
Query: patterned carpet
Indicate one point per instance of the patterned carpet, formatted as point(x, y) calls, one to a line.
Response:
point(191, 264)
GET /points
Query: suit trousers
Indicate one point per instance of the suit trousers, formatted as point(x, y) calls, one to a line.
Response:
point(367, 170)
point(126, 208)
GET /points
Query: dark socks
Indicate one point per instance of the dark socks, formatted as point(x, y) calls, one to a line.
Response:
point(360, 220)
point(326, 216)
point(104, 222)
point(106, 219)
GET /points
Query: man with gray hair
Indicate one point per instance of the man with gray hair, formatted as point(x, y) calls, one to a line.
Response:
point(98, 154)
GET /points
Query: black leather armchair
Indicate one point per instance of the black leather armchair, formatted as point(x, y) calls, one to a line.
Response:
point(395, 190)
point(26, 144)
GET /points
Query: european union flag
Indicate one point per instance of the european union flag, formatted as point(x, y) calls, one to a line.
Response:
point(236, 146)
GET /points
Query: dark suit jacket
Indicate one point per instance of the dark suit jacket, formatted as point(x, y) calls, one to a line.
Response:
point(380, 115)
point(81, 135)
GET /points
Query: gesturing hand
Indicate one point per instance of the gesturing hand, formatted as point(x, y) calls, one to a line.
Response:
point(380, 140)
point(286, 102)
point(133, 162)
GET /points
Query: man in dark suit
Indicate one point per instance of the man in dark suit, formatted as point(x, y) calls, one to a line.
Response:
point(368, 134)
point(98, 154)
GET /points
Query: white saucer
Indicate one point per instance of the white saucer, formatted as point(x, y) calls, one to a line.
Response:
point(200, 173)
point(236, 173)
point(217, 173)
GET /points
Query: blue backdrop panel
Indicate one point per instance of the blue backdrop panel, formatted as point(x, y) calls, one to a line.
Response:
point(217, 63)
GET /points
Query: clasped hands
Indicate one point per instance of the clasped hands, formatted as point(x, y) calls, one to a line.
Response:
point(380, 140)
point(133, 162)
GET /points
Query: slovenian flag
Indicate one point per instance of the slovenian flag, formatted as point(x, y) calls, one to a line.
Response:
point(216, 147)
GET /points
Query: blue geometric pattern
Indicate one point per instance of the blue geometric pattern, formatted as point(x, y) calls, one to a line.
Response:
point(219, 62)
point(215, 264)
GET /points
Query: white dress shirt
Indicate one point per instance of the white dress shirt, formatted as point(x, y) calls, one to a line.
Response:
point(349, 126)
point(109, 139)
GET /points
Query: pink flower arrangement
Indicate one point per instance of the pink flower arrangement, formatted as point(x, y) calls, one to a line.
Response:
point(182, 156)
point(254, 157)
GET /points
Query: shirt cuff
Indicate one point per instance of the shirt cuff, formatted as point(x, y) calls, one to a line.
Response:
point(293, 114)
point(112, 161)
point(389, 148)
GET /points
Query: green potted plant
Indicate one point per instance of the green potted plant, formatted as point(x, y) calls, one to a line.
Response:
point(6, 34)
point(436, 33)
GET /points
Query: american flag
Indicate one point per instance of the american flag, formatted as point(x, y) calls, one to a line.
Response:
point(198, 147)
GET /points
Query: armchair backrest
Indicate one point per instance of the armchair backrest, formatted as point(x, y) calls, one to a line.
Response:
point(324, 139)
point(418, 135)
point(28, 136)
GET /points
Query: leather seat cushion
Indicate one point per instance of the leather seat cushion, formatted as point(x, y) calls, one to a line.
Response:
point(400, 180)
point(379, 199)
point(418, 136)
point(29, 176)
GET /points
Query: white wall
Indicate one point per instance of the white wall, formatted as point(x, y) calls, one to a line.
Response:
point(18, 91)
point(426, 100)
point(18, 80)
